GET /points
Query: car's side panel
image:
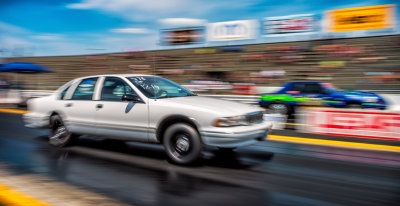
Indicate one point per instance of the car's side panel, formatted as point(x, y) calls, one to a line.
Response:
point(126, 120)
point(79, 114)
point(121, 120)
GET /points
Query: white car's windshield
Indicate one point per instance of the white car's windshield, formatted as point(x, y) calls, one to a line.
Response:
point(157, 87)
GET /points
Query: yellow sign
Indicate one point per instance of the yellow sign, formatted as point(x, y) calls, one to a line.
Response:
point(361, 18)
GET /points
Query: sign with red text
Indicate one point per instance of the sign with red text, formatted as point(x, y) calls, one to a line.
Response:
point(366, 124)
point(290, 24)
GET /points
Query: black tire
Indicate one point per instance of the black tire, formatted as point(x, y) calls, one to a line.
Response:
point(59, 134)
point(279, 107)
point(182, 144)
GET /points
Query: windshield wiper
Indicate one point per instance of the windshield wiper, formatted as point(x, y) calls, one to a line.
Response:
point(191, 95)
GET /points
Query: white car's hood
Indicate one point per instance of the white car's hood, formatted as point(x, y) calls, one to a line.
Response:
point(224, 107)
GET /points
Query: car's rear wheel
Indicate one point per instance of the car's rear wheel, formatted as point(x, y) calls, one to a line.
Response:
point(59, 134)
point(182, 144)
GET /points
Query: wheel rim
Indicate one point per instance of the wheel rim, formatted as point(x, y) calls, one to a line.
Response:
point(60, 132)
point(180, 145)
point(281, 108)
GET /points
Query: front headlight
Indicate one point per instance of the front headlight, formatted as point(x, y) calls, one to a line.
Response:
point(230, 121)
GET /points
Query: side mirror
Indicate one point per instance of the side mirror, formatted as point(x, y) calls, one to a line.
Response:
point(131, 98)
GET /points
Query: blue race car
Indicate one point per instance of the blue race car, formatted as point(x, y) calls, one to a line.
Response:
point(318, 93)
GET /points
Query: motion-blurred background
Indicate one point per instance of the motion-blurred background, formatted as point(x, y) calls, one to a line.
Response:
point(219, 47)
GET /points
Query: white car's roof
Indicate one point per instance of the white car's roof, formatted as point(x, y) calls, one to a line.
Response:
point(119, 75)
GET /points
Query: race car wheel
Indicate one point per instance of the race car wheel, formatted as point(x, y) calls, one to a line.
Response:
point(279, 108)
point(59, 134)
point(182, 144)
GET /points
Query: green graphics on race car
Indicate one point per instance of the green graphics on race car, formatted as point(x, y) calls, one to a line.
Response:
point(295, 99)
point(283, 98)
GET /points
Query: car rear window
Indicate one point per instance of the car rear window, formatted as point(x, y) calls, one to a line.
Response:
point(85, 89)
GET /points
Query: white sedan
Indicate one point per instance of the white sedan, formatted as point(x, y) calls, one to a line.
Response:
point(149, 109)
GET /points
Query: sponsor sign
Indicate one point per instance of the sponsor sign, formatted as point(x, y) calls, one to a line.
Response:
point(181, 36)
point(361, 18)
point(381, 125)
point(232, 30)
point(289, 24)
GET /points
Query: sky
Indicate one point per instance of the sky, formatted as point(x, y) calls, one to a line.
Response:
point(76, 27)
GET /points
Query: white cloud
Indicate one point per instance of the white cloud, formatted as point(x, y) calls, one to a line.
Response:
point(131, 30)
point(122, 5)
point(144, 10)
point(47, 37)
point(8, 28)
point(182, 22)
point(10, 41)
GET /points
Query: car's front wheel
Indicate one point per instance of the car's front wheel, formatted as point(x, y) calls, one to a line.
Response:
point(182, 143)
point(59, 134)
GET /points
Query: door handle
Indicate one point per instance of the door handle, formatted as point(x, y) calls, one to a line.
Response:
point(99, 106)
point(68, 105)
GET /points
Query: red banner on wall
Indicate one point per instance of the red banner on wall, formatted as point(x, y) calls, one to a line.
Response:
point(368, 124)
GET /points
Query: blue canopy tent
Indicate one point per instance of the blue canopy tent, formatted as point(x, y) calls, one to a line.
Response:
point(23, 67)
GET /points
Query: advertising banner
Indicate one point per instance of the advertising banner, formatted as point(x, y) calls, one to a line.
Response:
point(366, 124)
point(361, 18)
point(181, 36)
point(289, 24)
point(232, 30)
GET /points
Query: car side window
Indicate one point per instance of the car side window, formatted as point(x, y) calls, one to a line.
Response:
point(64, 92)
point(114, 88)
point(298, 87)
point(312, 89)
point(85, 89)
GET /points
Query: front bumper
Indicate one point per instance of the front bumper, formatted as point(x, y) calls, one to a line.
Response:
point(35, 120)
point(231, 137)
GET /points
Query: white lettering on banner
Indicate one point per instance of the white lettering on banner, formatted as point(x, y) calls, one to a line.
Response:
point(232, 30)
point(359, 124)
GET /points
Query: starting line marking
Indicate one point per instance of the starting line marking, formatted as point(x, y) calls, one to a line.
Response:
point(334, 143)
point(9, 196)
point(18, 111)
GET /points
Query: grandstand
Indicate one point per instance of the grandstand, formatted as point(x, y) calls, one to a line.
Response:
point(354, 63)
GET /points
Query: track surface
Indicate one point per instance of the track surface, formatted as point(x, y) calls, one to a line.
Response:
point(269, 173)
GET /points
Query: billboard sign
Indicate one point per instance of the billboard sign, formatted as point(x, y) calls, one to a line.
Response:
point(361, 18)
point(232, 30)
point(289, 24)
point(181, 36)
